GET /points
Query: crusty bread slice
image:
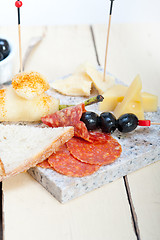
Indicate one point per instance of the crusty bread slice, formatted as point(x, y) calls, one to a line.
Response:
point(22, 147)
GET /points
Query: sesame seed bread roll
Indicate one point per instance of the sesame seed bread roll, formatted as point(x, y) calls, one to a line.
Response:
point(29, 85)
point(15, 108)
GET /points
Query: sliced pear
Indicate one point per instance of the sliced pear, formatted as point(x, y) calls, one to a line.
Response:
point(15, 108)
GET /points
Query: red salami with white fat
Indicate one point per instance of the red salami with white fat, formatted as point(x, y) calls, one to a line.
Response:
point(98, 152)
point(99, 137)
point(44, 164)
point(69, 117)
point(64, 163)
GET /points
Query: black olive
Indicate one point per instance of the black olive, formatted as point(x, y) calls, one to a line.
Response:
point(107, 122)
point(90, 119)
point(127, 122)
point(4, 47)
point(1, 56)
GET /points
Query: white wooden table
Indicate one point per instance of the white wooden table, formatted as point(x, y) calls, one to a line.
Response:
point(127, 209)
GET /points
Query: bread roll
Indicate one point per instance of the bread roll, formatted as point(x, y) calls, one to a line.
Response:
point(29, 85)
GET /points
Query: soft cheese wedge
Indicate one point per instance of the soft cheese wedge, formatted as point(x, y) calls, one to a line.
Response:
point(97, 77)
point(22, 147)
point(75, 85)
point(132, 102)
point(115, 95)
point(15, 108)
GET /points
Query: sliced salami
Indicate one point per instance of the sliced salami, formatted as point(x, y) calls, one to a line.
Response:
point(64, 163)
point(69, 117)
point(99, 137)
point(44, 164)
point(100, 153)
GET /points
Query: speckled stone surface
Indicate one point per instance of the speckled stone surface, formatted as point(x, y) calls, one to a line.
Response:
point(139, 149)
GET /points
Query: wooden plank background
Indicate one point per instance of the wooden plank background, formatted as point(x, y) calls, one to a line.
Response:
point(115, 211)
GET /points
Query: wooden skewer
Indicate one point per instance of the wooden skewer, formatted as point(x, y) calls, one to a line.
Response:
point(20, 48)
point(153, 123)
point(18, 4)
point(107, 42)
point(105, 63)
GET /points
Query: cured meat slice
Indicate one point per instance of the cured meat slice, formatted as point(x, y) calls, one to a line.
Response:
point(69, 117)
point(64, 163)
point(44, 164)
point(100, 153)
point(99, 137)
point(80, 130)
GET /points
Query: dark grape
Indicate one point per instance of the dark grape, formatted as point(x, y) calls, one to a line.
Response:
point(4, 47)
point(127, 122)
point(90, 119)
point(107, 122)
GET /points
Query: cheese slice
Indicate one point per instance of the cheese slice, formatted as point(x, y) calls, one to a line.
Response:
point(132, 102)
point(75, 85)
point(150, 102)
point(97, 77)
point(116, 94)
point(112, 97)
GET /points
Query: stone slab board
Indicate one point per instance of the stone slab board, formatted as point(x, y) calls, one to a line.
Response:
point(139, 149)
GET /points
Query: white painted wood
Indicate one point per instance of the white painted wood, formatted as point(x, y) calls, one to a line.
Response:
point(79, 12)
point(61, 51)
point(30, 212)
point(145, 191)
point(53, 57)
point(135, 49)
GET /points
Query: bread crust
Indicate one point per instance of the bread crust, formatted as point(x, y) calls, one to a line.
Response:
point(54, 146)
point(2, 171)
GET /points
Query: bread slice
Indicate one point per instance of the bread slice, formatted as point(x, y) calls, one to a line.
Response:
point(22, 147)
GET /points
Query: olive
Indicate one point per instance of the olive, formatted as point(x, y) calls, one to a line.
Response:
point(127, 122)
point(107, 122)
point(1, 56)
point(4, 47)
point(90, 119)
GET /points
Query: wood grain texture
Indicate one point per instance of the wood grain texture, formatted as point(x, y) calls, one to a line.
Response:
point(62, 50)
point(145, 191)
point(94, 216)
point(101, 214)
point(135, 49)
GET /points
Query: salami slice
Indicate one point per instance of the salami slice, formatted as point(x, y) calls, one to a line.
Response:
point(69, 117)
point(99, 137)
point(100, 153)
point(64, 163)
point(44, 164)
